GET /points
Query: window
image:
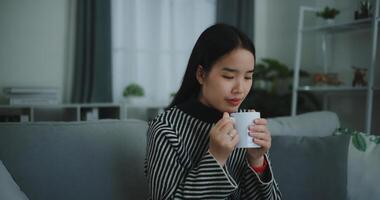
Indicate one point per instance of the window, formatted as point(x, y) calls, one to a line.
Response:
point(152, 42)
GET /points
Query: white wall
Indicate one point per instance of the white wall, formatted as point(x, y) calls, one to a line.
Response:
point(33, 38)
point(276, 29)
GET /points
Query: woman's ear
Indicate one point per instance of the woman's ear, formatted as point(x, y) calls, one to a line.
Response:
point(200, 74)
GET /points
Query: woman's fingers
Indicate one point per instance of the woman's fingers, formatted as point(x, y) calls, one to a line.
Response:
point(226, 128)
point(260, 121)
point(235, 139)
point(261, 136)
point(258, 128)
point(233, 133)
point(265, 144)
point(222, 122)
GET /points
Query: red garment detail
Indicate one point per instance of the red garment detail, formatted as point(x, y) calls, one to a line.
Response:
point(262, 168)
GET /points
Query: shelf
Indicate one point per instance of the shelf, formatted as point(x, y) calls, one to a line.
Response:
point(59, 112)
point(61, 105)
point(331, 88)
point(76, 112)
point(42, 114)
point(369, 26)
point(15, 114)
point(347, 26)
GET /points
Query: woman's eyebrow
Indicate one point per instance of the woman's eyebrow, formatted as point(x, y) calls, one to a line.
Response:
point(234, 70)
point(230, 69)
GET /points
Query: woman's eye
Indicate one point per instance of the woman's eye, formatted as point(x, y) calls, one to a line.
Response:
point(248, 78)
point(228, 77)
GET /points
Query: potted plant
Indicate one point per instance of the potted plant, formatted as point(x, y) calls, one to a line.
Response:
point(271, 94)
point(328, 14)
point(273, 76)
point(133, 93)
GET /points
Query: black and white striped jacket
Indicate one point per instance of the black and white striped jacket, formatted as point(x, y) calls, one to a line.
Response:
point(179, 166)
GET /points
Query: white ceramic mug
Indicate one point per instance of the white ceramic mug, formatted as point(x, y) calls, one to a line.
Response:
point(242, 121)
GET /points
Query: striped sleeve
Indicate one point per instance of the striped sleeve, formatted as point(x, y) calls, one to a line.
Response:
point(255, 186)
point(171, 177)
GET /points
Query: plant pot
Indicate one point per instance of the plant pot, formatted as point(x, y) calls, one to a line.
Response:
point(330, 22)
point(134, 100)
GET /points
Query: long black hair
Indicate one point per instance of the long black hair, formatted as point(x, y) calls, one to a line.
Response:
point(215, 42)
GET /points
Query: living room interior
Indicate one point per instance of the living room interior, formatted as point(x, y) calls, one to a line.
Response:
point(112, 66)
point(36, 44)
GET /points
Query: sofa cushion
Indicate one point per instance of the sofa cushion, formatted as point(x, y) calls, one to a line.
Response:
point(77, 160)
point(8, 188)
point(310, 167)
point(321, 123)
point(363, 164)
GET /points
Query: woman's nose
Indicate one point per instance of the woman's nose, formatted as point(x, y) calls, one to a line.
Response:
point(238, 87)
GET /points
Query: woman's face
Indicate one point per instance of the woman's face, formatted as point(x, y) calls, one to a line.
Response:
point(228, 82)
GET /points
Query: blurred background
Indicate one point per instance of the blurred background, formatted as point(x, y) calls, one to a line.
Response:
point(103, 52)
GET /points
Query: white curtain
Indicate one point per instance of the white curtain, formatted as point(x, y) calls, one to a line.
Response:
point(152, 42)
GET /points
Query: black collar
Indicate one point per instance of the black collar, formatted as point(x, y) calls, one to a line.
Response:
point(200, 111)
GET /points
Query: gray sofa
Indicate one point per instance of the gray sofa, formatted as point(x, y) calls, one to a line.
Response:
point(104, 159)
point(76, 160)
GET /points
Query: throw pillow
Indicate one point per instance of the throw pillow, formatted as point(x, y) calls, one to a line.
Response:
point(310, 167)
point(321, 123)
point(363, 173)
point(9, 190)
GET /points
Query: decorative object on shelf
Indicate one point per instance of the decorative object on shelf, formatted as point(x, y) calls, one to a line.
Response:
point(320, 79)
point(133, 93)
point(359, 74)
point(273, 76)
point(365, 10)
point(32, 95)
point(328, 14)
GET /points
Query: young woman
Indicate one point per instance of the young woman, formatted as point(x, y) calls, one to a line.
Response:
point(191, 150)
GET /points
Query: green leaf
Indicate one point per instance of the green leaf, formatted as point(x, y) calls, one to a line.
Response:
point(359, 142)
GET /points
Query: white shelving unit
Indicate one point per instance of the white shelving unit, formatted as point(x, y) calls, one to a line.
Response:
point(60, 112)
point(371, 24)
point(76, 112)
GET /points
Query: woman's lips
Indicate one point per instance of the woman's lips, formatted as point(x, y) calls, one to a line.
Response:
point(233, 102)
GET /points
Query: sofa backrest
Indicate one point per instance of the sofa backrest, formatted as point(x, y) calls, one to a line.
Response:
point(76, 160)
point(319, 123)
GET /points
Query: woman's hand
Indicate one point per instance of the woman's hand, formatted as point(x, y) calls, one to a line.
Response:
point(223, 139)
point(261, 136)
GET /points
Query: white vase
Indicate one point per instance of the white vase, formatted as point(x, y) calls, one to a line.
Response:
point(134, 101)
point(330, 22)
